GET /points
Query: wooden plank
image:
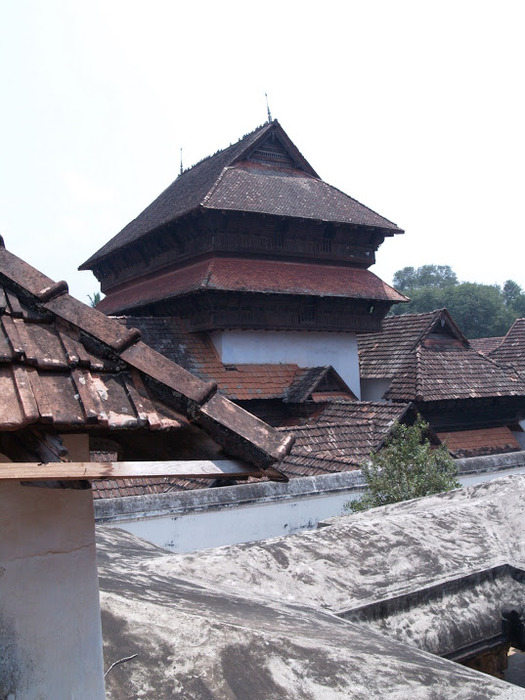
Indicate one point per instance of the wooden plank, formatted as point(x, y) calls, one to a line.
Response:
point(195, 469)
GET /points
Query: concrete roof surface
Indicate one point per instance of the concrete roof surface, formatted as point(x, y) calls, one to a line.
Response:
point(257, 620)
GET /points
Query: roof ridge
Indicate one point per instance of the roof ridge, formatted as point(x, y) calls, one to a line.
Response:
point(215, 185)
point(433, 317)
point(333, 187)
point(246, 136)
point(244, 434)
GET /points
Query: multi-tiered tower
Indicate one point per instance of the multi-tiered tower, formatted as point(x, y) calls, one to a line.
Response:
point(252, 246)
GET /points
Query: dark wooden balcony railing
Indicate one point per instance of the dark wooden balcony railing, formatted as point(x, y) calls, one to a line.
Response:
point(260, 243)
point(208, 320)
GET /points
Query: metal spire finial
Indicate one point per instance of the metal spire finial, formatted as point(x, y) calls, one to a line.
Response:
point(181, 168)
point(268, 109)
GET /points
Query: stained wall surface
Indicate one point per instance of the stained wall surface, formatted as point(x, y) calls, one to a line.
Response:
point(50, 632)
point(306, 349)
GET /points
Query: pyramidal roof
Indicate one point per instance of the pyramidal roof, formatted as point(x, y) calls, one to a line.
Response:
point(263, 173)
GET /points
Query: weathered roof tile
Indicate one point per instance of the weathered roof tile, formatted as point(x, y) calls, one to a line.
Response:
point(235, 178)
point(511, 350)
point(255, 276)
point(426, 358)
point(67, 365)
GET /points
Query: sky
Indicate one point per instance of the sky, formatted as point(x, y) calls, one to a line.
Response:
point(414, 108)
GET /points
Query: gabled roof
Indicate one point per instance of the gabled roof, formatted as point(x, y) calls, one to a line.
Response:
point(427, 358)
point(511, 350)
point(317, 382)
point(263, 172)
point(255, 276)
point(442, 374)
point(240, 382)
point(485, 345)
point(344, 436)
point(382, 354)
point(68, 365)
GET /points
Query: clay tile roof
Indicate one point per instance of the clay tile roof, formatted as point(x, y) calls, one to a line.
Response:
point(474, 443)
point(381, 354)
point(234, 178)
point(257, 276)
point(122, 488)
point(244, 382)
point(434, 374)
point(485, 345)
point(511, 350)
point(344, 436)
point(316, 381)
point(428, 359)
point(66, 364)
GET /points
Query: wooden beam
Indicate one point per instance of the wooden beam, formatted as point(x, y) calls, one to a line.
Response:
point(194, 469)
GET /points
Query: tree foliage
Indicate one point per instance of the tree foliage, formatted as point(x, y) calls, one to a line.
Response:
point(94, 299)
point(435, 276)
point(480, 310)
point(407, 467)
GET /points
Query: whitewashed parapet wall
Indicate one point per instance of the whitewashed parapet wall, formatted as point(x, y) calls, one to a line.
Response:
point(50, 631)
point(303, 348)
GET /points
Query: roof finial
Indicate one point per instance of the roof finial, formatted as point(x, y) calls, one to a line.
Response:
point(181, 168)
point(268, 109)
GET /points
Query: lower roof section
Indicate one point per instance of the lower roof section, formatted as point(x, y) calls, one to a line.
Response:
point(252, 276)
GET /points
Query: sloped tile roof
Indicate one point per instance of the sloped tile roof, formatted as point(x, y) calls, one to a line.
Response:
point(257, 276)
point(242, 382)
point(485, 345)
point(428, 359)
point(440, 373)
point(511, 351)
point(231, 180)
point(123, 488)
point(47, 375)
point(313, 382)
point(381, 354)
point(380, 413)
point(345, 435)
point(67, 364)
point(474, 443)
point(253, 187)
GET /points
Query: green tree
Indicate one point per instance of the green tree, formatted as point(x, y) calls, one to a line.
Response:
point(94, 298)
point(435, 276)
point(407, 467)
point(480, 310)
point(514, 298)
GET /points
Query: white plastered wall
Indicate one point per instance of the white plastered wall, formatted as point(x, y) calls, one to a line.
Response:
point(50, 630)
point(304, 348)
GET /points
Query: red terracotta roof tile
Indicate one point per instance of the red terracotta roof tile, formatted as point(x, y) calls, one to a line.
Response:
point(344, 436)
point(255, 276)
point(240, 382)
point(435, 374)
point(67, 365)
point(473, 443)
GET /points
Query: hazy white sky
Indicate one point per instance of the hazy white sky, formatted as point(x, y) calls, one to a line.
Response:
point(414, 108)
